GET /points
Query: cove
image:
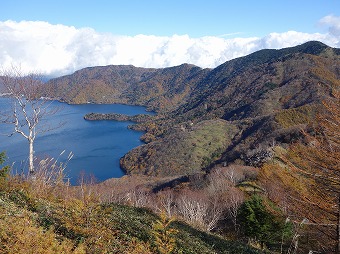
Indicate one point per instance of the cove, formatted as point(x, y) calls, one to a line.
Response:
point(97, 146)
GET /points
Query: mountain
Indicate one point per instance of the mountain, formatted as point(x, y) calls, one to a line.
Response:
point(233, 113)
point(265, 77)
point(265, 99)
point(159, 89)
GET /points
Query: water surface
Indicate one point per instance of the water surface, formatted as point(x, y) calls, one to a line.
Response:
point(97, 145)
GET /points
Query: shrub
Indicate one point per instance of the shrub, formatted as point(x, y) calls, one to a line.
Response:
point(164, 235)
point(4, 172)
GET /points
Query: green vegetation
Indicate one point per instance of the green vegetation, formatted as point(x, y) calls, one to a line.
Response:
point(185, 150)
point(117, 117)
point(4, 171)
point(209, 140)
point(263, 222)
point(295, 116)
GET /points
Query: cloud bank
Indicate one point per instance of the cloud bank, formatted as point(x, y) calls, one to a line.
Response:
point(57, 49)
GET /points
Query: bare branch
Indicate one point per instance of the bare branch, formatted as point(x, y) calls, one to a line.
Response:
point(27, 109)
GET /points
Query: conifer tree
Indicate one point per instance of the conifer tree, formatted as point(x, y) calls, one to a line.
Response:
point(259, 223)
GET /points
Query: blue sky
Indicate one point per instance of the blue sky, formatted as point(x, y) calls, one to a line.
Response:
point(163, 17)
point(162, 33)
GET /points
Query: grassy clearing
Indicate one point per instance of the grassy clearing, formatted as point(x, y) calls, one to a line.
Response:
point(208, 140)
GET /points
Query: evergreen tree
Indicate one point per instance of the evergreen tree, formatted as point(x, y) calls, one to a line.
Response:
point(259, 222)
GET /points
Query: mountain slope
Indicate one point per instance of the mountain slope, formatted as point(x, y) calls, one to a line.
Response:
point(285, 75)
point(264, 98)
point(159, 89)
point(267, 97)
point(57, 219)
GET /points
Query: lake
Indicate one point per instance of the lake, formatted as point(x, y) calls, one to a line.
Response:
point(97, 145)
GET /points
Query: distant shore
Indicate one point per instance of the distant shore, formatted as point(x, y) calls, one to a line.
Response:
point(117, 117)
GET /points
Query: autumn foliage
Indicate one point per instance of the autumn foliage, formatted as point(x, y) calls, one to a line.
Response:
point(305, 180)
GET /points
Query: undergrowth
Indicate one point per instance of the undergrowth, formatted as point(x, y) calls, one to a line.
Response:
point(58, 218)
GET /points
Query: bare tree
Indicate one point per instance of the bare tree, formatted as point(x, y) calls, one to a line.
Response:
point(234, 174)
point(218, 182)
point(27, 108)
point(200, 209)
point(166, 201)
point(139, 197)
point(192, 207)
point(234, 200)
point(215, 212)
point(221, 178)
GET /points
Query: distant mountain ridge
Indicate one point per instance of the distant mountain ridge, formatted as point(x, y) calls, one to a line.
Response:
point(251, 79)
point(159, 89)
point(237, 110)
point(162, 89)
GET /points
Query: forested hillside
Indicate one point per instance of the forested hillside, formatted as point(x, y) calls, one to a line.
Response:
point(264, 99)
point(159, 89)
point(249, 149)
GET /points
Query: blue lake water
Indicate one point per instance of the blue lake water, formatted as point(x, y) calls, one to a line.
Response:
point(97, 145)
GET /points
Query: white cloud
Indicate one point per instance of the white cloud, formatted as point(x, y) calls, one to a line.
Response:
point(333, 24)
point(58, 49)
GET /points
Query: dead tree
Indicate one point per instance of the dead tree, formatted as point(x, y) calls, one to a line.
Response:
point(28, 109)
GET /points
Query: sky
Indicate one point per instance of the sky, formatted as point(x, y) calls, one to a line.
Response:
point(58, 37)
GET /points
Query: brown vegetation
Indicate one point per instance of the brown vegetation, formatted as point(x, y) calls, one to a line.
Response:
point(41, 215)
point(305, 181)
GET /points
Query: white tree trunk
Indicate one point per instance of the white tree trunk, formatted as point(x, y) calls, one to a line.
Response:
point(31, 155)
point(27, 109)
